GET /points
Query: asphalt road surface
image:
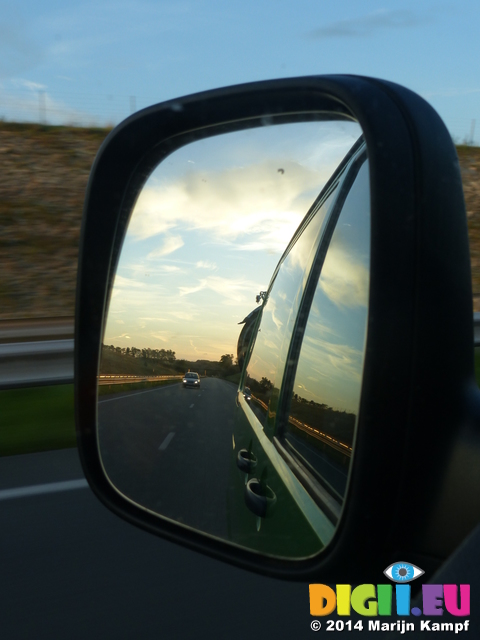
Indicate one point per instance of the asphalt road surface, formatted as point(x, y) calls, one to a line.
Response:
point(72, 570)
point(169, 449)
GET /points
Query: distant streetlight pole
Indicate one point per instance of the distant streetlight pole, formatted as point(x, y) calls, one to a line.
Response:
point(472, 131)
point(42, 107)
point(133, 104)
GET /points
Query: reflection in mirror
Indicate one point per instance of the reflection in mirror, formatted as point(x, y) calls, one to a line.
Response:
point(203, 241)
point(304, 373)
point(326, 392)
point(265, 366)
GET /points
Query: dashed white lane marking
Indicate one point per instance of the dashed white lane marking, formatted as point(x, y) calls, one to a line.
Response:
point(192, 405)
point(166, 442)
point(39, 489)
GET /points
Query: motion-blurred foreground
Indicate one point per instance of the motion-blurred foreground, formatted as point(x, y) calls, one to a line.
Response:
point(43, 175)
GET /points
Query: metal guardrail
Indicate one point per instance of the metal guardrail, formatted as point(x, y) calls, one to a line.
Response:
point(114, 379)
point(36, 352)
point(31, 364)
point(343, 448)
point(48, 361)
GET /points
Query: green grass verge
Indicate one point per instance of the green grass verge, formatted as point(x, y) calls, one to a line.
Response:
point(106, 389)
point(36, 419)
point(42, 418)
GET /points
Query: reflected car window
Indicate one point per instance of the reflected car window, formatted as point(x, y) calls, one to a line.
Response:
point(325, 398)
point(266, 365)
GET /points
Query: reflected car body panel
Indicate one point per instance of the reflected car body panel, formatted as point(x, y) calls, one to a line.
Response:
point(302, 476)
point(294, 510)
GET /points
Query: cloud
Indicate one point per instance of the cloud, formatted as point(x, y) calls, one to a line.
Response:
point(160, 336)
point(141, 269)
point(337, 361)
point(344, 280)
point(255, 207)
point(197, 351)
point(186, 291)
point(170, 244)
point(168, 268)
point(120, 282)
point(271, 345)
point(183, 315)
point(28, 84)
point(369, 25)
point(271, 308)
point(205, 264)
point(232, 290)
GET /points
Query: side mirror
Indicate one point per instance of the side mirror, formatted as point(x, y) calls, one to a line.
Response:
point(237, 469)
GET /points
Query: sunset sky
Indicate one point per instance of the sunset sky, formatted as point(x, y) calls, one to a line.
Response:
point(208, 230)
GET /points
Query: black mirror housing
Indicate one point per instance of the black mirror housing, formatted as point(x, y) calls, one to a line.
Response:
point(409, 491)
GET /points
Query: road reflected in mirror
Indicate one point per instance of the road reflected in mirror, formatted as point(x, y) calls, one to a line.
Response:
point(203, 242)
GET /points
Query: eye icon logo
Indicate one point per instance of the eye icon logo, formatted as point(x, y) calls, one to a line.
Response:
point(402, 572)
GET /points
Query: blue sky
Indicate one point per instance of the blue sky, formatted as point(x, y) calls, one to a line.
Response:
point(96, 61)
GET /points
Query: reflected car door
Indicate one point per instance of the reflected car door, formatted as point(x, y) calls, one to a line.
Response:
point(279, 502)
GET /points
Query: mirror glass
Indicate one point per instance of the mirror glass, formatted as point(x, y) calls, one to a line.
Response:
point(204, 239)
point(326, 390)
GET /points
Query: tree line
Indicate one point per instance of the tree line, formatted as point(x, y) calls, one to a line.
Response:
point(164, 355)
point(227, 365)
